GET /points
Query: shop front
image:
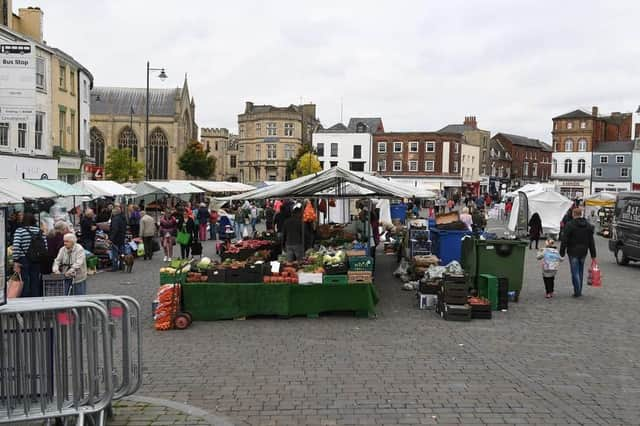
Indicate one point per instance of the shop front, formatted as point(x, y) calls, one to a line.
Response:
point(574, 188)
point(24, 167)
point(611, 186)
point(69, 169)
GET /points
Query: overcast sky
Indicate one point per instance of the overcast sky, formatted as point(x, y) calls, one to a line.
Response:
point(418, 64)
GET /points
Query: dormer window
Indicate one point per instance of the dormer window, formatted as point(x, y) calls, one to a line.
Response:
point(361, 128)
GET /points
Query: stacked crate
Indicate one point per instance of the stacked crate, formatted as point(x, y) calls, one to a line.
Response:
point(503, 293)
point(452, 299)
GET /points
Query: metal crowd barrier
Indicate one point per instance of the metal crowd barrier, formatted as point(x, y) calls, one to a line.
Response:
point(126, 337)
point(55, 359)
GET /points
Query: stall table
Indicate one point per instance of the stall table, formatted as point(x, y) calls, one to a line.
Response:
point(208, 302)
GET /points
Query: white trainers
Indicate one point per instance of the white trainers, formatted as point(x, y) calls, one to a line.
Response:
point(168, 259)
point(165, 259)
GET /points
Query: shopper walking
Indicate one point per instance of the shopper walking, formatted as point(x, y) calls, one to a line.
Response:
point(292, 235)
point(535, 229)
point(577, 240)
point(187, 234)
point(147, 232)
point(253, 209)
point(550, 261)
point(269, 215)
point(202, 216)
point(117, 234)
point(466, 218)
point(134, 220)
point(213, 224)
point(71, 262)
point(29, 255)
point(88, 230)
point(168, 230)
point(238, 222)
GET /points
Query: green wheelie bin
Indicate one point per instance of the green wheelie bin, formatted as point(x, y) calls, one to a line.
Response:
point(501, 258)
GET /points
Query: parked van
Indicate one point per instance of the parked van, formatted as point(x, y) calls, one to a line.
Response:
point(625, 236)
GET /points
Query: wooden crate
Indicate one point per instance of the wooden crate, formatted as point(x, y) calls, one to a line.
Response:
point(359, 277)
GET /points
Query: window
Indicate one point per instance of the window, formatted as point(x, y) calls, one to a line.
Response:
point(334, 149)
point(429, 165)
point(484, 170)
point(63, 77)
point(71, 128)
point(271, 129)
point(216, 145)
point(289, 152)
point(568, 165)
point(4, 134)
point(569, 124)
point(357, 151)
point(413, 146)
point(583, 124)
point(356, 166)
point(382, 147)
point(320, 149)
point(333, 163)
point(232, 161)
point(382, 165)
point(72, 82)
point(96, 146)
point(455, 167)
point(604, 159)
point(39, 127)
point(624, 172)
point(598, 172)
point(582, 145)
point(397, 147)
point(258, 128)
point(619, 159)
point(272, 149)
point(397, 166)
point(288, 129)
point(431, 146)
point(22, 135)
point(456, 148)
point(484, 156)
point(568, 145)
point(157, 155)
point(128, 140)
point(361, 128)
point(40, 74)
point(241, 131)
point(555, 166)
point(582, 166)
point(258, 152)
point(62, 123)
point(525, 168)
point(534, 172)
point(321, 165)
point(413, 166)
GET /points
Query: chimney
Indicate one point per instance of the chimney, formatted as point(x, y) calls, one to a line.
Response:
point(248, 106)
point(31, 22)
point(594, 111)
point(471, 122)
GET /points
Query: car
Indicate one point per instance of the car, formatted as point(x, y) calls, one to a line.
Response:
point(625, 235)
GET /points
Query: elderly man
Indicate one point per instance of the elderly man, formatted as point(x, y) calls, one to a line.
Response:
point(71, 262)
point(88, 230)
point(147, 232)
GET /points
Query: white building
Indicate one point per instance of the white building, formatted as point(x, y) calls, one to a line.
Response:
point(25, 108)
point(348, 147)
point(469, 163)
point(571, 173)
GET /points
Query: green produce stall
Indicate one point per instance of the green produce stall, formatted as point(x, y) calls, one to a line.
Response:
point(208, 302)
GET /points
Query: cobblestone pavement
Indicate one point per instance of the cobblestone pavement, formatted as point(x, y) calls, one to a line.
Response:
point(558, 361)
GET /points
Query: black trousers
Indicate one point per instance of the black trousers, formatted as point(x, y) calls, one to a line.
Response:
point(548, 284)
point(185, 250)
point(532, 239)
point(148, 247)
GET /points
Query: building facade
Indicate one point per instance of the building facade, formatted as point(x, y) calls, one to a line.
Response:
point(431, 160)
point(612, 166)
point(469, 168)
point(348, 147)
point(269, 136)
point(118, 119)
point(223, 146)
point(530, 159)
point(499, 168)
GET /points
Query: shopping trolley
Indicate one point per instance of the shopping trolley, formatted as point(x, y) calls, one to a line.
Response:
point(57, 285)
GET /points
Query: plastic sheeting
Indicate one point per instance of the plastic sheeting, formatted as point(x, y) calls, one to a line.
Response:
point(550, 205)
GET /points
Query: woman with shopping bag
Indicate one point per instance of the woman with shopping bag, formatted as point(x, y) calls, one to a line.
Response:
point(187, 233)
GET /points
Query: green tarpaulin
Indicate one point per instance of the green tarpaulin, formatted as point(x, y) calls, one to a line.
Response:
point(207, 301)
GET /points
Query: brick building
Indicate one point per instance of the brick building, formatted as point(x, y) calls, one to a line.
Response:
point(530, 158)
point(431, 160)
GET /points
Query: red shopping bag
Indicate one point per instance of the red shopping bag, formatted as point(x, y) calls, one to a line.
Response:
point(595, 275)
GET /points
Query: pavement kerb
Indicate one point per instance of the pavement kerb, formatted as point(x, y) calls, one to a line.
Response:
point(184, 408)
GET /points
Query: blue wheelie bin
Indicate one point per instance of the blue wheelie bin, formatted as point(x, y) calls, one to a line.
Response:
point(447, 244)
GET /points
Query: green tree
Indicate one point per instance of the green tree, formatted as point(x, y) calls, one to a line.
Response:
point(307, 164)
point(195, 161)
point(292, 163)
point(122, 167)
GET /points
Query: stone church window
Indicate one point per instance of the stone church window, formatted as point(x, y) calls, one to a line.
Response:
point(128, 139)
point(158, 155)
point(96, 146)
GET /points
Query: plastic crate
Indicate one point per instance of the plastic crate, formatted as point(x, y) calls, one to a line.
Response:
point(237, 276)
point(457, 312)
point(172, 278)
point(216, 275)
point(92, 262)
point(336, 269)
point(356, 253)
point(359, 277)
point(360, 263)
point(335, 279)
point(309, 278)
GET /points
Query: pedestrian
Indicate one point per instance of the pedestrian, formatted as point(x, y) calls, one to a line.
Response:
point(88, 230)
point(479, 222)
point(508, 206)
point(29, 255)
point(550, 261)
point(71, 262)
point(466, 218)
point(147, 232)
point(577, 240)
point(187, 234)
point(55, 241)
point(225, 229)
point(292, 235)
point(269, 214)
point(253, 209)
point(202, 216)
point(117, 233)
point(535, 229)
point(213, 224)
point(168, 230)
point(450, 204)
point(238, 222)
point(134, 220)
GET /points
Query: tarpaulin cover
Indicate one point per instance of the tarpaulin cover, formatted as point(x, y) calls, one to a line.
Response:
point(550, 205)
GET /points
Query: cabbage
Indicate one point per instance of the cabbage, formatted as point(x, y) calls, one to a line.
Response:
point(204, 263)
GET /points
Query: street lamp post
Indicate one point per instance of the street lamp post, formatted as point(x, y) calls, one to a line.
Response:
point(162, 76)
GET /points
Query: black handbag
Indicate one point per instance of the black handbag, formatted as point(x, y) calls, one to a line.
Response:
point(196, 248)
point(155, 245)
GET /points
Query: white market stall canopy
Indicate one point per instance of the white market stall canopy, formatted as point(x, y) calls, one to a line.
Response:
point(24, 190)
point(103, 188)
point(60, 188)
point(550, 205)
point(219, 186)
point(165, 187)
point(600, 199)
point(532, 187)
point(337, 180)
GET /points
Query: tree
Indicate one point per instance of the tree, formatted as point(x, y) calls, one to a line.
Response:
point(122, 167)
point(307, 164)
point(195, 161)
point(292, 163)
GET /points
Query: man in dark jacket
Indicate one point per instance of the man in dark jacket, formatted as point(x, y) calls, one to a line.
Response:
point(577, 239)
point(292, 235)
point(117, 232)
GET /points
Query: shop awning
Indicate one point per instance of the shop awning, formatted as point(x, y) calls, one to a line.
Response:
point(59, 188)
point(220, 186)
point(601, 199)
point(165, 187)
point(6, 199)
point(337, 180)
point(103, 188)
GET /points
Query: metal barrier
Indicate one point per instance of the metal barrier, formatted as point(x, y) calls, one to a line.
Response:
point(55, 356)
point(126, 337)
